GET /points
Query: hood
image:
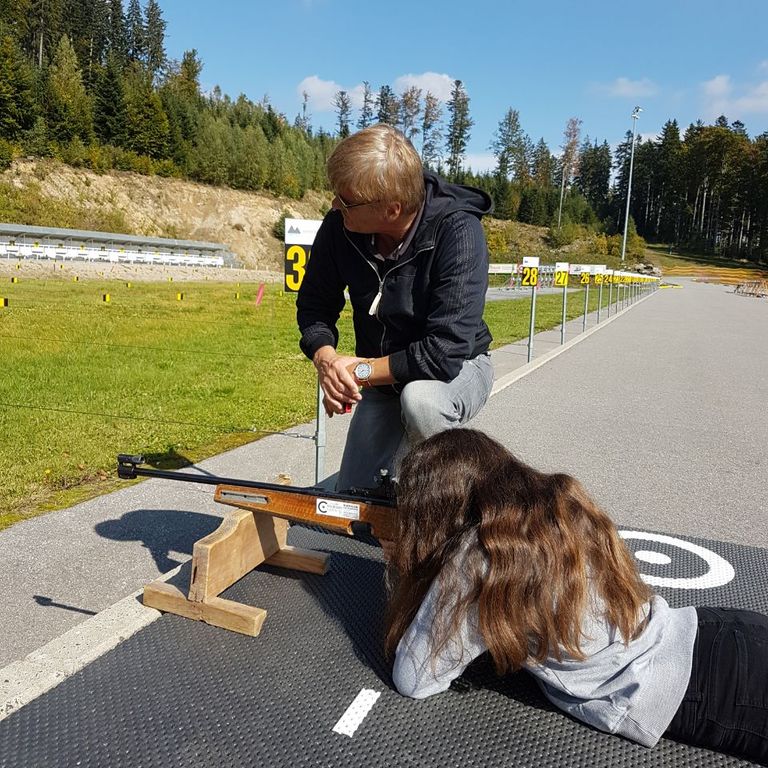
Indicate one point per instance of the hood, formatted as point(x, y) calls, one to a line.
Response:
point(444, 198)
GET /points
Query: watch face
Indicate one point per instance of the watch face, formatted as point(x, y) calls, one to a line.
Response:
point(363, 371)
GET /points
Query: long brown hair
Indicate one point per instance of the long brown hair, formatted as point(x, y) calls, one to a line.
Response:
point(529, 548)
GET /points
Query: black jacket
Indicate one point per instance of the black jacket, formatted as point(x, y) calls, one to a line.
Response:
point(429, 319)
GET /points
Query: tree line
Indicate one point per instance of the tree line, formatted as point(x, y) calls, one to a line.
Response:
point(89, 82)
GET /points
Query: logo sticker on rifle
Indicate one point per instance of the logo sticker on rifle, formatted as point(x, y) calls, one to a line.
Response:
point(345, 509)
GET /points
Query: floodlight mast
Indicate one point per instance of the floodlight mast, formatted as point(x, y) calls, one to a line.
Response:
point(635, 114)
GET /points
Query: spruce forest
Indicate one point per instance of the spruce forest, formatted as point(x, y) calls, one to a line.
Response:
point(89, 82)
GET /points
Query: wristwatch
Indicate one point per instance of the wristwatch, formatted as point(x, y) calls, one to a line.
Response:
point(363, 371)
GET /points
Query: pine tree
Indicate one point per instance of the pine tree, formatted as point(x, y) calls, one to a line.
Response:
point(512, 148)
point(366, 112)
point(69, 107)
point(431, 135)
point(155, 38)
point(343, 105)
point(148, 128)
point(459, 126)
point(569, 158)
point(387, 106)
point(17, 103)
point(410, 110)
point(304, 119)
point(543, 165)
point(135, 32)
point(110, 114)
point(594, 175)
point(118, 37)
point(45, 26)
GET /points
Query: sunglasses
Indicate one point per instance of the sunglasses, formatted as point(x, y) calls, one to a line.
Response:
point(349, 206)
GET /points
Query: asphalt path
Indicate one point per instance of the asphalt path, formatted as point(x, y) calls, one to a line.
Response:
point(663, 415)
point(660, 412)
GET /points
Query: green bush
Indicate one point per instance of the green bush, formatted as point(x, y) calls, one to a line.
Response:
point(278, 228)
point(6, 154)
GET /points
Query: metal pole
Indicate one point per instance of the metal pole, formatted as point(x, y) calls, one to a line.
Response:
point(565, 301)
point(319, 436)
point(533, 323)
point(635, 114)
point(586, 307)
point(599, 301)
point(610, 295)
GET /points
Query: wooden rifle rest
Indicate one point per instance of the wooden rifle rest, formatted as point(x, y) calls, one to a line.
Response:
point(246, 538)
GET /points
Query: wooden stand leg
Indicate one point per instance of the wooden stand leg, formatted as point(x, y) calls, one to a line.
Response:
point(244, 540)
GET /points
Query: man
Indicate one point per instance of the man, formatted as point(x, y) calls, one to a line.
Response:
point(411, 251)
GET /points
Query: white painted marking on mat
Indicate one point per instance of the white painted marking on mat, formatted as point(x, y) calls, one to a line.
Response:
point(720, 570)
point(356, 712)
point(657, 558)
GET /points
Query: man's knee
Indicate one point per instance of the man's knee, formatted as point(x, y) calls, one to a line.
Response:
point(426, 410)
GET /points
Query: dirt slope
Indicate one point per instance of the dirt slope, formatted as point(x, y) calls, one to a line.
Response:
point(163, 207)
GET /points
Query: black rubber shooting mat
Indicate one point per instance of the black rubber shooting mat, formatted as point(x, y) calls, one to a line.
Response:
point(181, 693)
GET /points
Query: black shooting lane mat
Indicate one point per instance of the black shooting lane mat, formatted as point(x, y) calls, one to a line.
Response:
point(181, 693)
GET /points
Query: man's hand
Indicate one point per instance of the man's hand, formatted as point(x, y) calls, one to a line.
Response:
point(338, 385)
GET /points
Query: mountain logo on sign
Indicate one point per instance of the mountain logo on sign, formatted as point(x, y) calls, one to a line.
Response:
point(294, 230)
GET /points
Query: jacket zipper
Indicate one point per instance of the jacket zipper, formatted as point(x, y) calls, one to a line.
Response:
point(374, 308)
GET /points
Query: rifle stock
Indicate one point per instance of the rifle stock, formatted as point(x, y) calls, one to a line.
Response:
point(342, 516)
point(340, 512)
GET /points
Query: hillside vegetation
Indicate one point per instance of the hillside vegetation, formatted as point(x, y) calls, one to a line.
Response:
point(51, 194)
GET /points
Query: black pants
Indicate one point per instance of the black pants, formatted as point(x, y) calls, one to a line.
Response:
point(726, 705)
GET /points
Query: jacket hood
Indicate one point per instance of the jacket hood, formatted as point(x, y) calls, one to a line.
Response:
point(443, 199)
point(447, 197)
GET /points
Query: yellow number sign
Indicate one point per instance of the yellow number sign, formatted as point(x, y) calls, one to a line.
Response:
point(296, 257)
point(561, 279)
point(584, 278)
point(530, 276)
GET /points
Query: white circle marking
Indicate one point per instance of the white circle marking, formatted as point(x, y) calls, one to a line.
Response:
point(720, 570)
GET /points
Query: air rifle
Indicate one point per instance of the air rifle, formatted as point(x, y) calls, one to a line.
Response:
point(358, 510)
point(256, 534)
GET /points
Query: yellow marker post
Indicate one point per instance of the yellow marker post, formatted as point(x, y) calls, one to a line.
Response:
point(237, 295)
point(105, 297)
point(129, 285)
point(3, 301)
point(75, 279)
point(14, 279)
point(179, 297)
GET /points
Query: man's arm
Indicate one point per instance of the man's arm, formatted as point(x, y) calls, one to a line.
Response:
point(458, 283)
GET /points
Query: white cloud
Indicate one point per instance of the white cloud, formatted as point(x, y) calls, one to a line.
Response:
point(322, 92)
point(623, 87)
point(763, 65)
point(723, 97)
point(480, 162)
point(437, 85)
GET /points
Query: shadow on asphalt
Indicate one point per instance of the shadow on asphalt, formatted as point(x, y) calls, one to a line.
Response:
point(160, 531)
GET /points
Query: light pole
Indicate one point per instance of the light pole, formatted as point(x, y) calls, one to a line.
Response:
point(635, 114)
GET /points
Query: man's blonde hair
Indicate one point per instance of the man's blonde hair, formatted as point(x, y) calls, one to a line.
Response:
point(378, 164)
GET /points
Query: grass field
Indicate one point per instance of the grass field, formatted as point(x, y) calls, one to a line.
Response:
point(146, 373)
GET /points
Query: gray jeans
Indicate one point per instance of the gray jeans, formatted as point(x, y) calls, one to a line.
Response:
point(385, 426)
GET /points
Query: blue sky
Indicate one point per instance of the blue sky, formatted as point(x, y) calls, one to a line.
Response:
point(595, 60)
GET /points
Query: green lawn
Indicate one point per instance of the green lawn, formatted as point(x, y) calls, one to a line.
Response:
point(145, 373)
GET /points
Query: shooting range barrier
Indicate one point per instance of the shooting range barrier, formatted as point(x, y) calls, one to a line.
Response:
point(18, 241)
point(180, 692)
